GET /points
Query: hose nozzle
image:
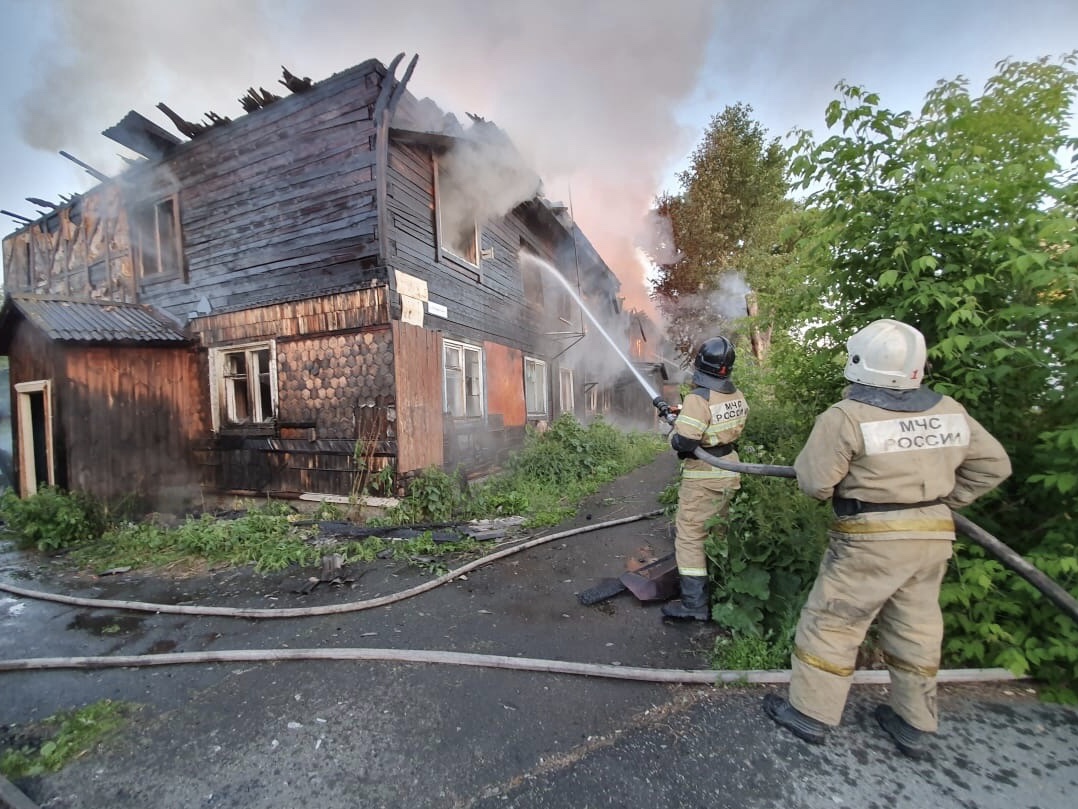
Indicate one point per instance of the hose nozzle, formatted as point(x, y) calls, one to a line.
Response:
point(665, 412)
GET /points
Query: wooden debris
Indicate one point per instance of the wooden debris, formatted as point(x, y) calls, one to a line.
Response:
point(256, 99)
point(97, 175)
point(44, 203)
point(19, 217)
point(293, 83)
point(186, 127)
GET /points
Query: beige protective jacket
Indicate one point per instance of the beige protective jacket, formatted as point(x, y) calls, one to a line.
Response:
point(934, 460)
point(715, 421)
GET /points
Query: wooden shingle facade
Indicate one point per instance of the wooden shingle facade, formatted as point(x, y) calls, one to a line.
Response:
point(291, 303)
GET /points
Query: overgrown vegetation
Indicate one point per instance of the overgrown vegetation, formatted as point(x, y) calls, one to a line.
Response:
point(543, 482)
point(960, 219)
point(49, 745)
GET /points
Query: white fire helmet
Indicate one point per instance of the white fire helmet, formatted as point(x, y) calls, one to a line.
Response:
point(886, 354)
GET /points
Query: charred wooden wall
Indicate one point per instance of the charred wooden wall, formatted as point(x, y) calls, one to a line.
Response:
point(419, 398)
point(81, 250)
point(127, 420)
point(337, 403)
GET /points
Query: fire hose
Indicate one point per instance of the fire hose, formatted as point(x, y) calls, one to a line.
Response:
point(1063, 600)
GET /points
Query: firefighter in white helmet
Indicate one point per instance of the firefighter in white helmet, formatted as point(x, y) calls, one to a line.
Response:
point(711, 418)
point(894, 457)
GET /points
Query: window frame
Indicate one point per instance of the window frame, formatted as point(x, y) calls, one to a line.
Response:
point(542, 388)
point(223, 403)
point(167, 256)
point(462, 383)
point(446, 253)
point(563, 375)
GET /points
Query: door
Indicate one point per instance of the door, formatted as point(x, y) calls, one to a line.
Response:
point(36, 462)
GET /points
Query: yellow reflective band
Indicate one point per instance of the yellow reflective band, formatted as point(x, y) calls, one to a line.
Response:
point(904, 665)
point(723, 426)
point(691, 422)
point(818, 663)
point(708, 473)
point(692, 571)
point(913, 526)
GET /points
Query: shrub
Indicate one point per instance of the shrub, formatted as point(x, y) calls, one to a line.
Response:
point(52, 519)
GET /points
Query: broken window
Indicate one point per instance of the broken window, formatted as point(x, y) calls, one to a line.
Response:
point(535, 387)
point(245, 386)
point(463, 380)
point(157, 234)
point(565, 377)
point(458, 233)
point(529, 272)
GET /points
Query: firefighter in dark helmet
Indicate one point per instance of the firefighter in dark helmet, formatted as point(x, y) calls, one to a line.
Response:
point(712, 417)
point(894, 457)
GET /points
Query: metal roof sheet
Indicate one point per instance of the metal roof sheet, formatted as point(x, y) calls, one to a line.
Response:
point(97, 321)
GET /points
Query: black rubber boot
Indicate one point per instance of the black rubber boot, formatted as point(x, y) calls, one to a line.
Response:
point(803, 727)
point(693, 604)
point(911, 741)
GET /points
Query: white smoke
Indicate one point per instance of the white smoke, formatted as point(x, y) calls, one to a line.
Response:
point(586, 91)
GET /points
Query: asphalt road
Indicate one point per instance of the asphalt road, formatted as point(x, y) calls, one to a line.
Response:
point(340, 734)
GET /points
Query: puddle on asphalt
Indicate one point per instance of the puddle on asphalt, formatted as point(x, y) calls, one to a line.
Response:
point(105, 625)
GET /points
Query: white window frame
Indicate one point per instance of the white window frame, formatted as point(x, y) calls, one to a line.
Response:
point(223, 386)
point(565, 390)
point(463, 392)
point(445, 247)
point(535, 387)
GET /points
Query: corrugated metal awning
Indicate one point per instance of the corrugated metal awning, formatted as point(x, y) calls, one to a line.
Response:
point(69, 320)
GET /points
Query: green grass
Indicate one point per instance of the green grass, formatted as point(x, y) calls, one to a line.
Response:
point(63, 737)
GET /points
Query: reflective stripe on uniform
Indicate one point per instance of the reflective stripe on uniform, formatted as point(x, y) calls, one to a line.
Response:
point(920, 526)
point(810, 659)
point(691, 422)
point(904, 665)
point(692, 571)
point(709, 474)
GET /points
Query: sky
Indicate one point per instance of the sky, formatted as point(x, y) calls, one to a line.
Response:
point(607, 98)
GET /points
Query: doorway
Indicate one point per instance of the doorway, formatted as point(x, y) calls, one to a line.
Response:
point(36, 460)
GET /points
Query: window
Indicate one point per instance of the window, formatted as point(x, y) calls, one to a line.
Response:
point(535, 387)
point(246, 386)
point(157, 233)
point(530, 275)
point(565, 377)
point(458, 234)
point(463, 380)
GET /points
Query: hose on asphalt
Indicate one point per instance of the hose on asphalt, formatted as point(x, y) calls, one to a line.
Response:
point(325, 609)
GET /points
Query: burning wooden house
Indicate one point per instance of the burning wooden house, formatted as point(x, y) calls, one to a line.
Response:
point(296, 301)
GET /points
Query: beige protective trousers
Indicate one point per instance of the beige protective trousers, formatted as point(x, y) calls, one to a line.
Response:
point(895, 582)
point(698, 501)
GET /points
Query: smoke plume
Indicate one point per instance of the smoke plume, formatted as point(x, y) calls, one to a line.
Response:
point(586, 91)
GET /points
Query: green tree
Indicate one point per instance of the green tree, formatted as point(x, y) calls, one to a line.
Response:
point(724, 228)
point(962, 221)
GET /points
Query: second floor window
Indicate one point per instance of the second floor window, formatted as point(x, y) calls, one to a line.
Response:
point(463, 378)
point(157, 234)
point(458, 233)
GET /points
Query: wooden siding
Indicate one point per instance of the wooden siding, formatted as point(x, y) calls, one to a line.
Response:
point(336, 396)
point(126, 420)
point(131, 419)
point(419, 398)
point(489, 309)
point(343, 311)
point(80, 250)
